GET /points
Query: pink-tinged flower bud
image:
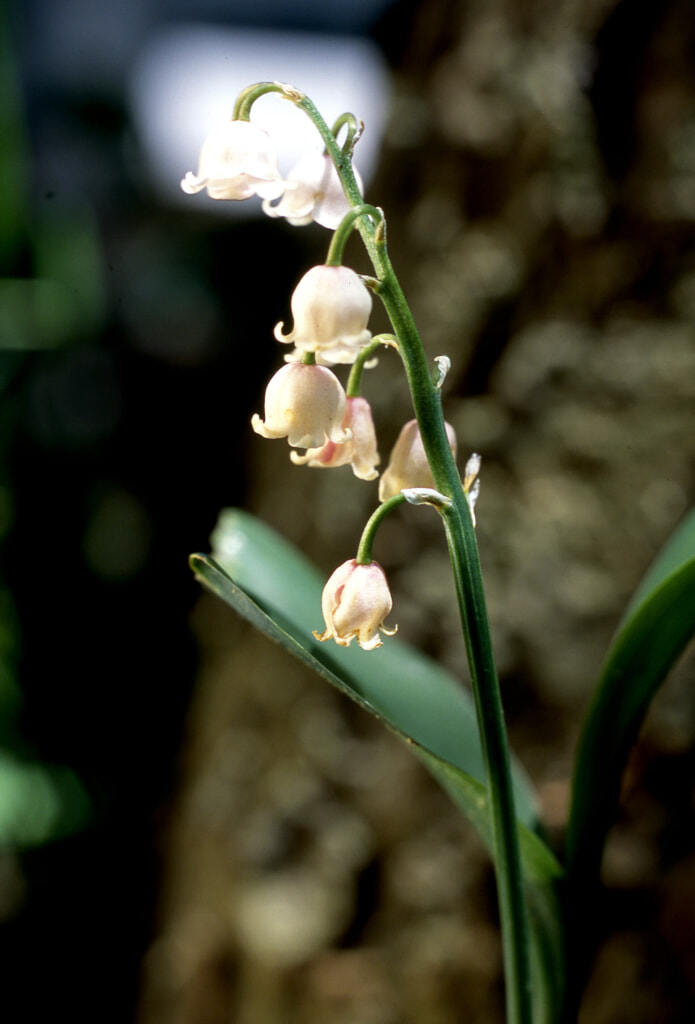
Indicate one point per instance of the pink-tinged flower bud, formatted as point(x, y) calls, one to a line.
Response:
point(237, 161)
point(359, 451)
point(304, 403)
point(408, 466)
point(318, 193)
point(355, 602)
point(330, 307)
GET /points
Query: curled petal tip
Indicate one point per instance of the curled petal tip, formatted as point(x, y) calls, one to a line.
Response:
point(191, 184)
point(355, 602)
point(278, 334)
point(259, 426)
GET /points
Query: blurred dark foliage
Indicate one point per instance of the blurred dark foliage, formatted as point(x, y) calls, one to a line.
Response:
point(120, 445)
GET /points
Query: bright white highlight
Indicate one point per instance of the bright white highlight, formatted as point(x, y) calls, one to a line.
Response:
point(187, 80)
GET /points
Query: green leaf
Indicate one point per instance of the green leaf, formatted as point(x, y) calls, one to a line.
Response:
point(254, 566)
point(658, 623)
point(274, 587)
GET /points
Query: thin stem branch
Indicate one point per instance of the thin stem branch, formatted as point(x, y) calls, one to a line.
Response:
point(353, 387)
point(345, 229)
point(364, 551)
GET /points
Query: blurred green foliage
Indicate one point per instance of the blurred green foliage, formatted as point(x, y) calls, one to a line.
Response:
point(60, 301)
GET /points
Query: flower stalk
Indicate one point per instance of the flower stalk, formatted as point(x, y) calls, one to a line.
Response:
point(364, 551)
point(463, 550)
point(353, 387)
point(345, 228)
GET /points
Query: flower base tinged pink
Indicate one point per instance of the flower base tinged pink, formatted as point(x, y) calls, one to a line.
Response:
point(360, 451)
point(355, 602)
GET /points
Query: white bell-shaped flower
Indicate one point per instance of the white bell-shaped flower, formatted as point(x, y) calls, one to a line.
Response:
point(355, 602)
point(360, 451)
point(306, 404)
point(317, 193)
point(237, 160)
point(330, 307)
point(408, 465)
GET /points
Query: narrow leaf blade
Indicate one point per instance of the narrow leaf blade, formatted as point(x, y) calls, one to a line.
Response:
point(658, 624)
point(418, 698)
point(273, 586)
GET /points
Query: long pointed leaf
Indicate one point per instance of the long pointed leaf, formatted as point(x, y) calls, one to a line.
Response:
point(277, 590)
point(409, 691)
point(658, 623)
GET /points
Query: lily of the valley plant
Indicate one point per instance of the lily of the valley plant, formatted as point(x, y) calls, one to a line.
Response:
point(327, 422)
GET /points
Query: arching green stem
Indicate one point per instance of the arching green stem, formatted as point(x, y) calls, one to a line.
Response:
point(354, 384)
point(465, 561)
point(364, 551)
point(345, 229)
point(246, 99)
point(354, 130)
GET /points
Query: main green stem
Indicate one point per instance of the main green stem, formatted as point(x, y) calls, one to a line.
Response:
point(463, 550)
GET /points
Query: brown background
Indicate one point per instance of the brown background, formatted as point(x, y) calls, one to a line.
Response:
point(538, 179)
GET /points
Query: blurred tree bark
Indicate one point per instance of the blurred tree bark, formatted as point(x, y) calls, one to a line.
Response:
point(538, 178)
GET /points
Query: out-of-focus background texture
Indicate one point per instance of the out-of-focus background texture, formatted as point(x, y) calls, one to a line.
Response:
point(192, 831)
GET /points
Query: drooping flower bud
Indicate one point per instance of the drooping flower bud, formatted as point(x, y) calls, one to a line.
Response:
point(408, 466)
point(317, 194)
point(360, 451)
point(237, 160)
point(355, 602)
point(304, 403)
point(330, 307)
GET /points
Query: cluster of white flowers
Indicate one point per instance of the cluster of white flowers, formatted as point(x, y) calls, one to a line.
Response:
point(305, 401)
